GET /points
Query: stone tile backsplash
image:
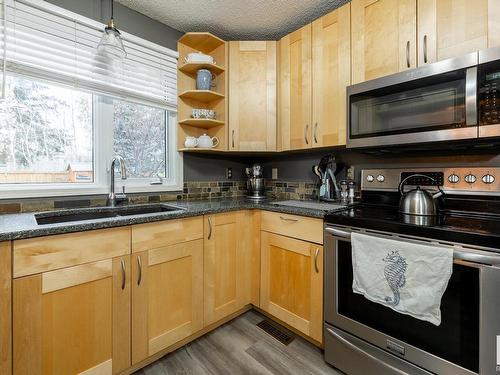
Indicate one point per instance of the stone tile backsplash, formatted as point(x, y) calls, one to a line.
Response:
point(191, 190)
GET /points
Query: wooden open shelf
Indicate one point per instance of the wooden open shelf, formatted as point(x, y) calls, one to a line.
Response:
point(201, 95)
point(192, 68)
point(190, 98)
point(201, 122)
point(201, 41)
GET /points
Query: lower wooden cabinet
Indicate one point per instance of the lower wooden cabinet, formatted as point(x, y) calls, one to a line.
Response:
point(73, 320)
point(292, 282)
point(167, 296)
point(5, 308)
point(227, 264)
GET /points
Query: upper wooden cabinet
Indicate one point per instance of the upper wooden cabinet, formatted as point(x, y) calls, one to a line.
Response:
point(296, 89)
point(73, 320)
point(227, 264)
point(252, 96)
point(331, 74)
point(451, 28)
point(383, 37)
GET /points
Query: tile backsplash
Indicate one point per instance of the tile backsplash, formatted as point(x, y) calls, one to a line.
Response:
point(191, 190)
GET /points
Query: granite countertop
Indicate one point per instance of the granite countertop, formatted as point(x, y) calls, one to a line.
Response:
point(24, 225)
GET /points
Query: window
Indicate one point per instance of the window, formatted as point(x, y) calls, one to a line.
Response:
point(65, 111)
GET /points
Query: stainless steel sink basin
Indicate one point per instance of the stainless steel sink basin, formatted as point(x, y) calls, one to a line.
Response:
point(101, 213)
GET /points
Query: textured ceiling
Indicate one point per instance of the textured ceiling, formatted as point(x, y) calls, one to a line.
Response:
point(235, 19)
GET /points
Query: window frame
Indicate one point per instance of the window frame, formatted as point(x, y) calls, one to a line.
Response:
point(102, 154)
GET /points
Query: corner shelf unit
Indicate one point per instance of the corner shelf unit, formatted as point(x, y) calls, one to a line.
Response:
point(190, 98)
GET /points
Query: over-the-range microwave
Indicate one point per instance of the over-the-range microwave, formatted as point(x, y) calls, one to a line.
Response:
point(452, 99)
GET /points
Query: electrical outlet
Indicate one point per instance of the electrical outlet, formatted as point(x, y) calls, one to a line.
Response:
point(229, 173)
point(274, 173)
point(350, 173)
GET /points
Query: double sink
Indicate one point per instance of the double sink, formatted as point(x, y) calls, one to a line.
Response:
point(102, 213)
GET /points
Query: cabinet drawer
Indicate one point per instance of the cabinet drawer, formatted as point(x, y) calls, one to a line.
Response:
point(303, 228)
point(36, 255)
point(164, 233)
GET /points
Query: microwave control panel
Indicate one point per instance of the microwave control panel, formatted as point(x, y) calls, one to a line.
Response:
point(476, 180)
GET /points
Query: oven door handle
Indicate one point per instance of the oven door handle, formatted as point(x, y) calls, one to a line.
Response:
point(459, 252)
point(393, 369)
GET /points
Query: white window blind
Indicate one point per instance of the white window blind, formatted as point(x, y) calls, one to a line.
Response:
point(45, 41)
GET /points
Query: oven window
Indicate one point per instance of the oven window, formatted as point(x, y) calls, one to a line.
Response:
point(456, 339)
point(423, 105)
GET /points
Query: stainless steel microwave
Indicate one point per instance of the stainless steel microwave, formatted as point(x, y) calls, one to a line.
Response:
point(453, 99)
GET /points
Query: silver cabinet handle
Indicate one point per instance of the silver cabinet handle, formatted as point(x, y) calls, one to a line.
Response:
point(209, 228)
point(124, 275)
point(394, 370)
point(316, 268)
point(305, 134)
point(315, 131)
point(232, 137)
point(288, 219)
point(408, 64)
point(139, 266)
point(425, 49)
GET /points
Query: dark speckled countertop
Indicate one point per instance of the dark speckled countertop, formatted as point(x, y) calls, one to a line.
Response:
point(17, 226)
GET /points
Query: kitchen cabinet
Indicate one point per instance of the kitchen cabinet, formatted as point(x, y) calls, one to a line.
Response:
point(167, 284)
point(451, 28)
point(331, 74)
point(252, 95)
point(228, 263)
point(383, 37)
point(296, 89)
point(292, 282)
point(74, 319)
point(5, 308)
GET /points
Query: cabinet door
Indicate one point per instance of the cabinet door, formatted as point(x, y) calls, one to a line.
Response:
point(383, 36)
point(227, 264)
point(451, 28)
point(167, 290)
point(252, 96)
point(73, 320)
point(295, 89)
point(5, 308)
point(292, 282)
point(331, 45)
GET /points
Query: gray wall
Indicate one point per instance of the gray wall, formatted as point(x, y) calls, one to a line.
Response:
point(126, 19)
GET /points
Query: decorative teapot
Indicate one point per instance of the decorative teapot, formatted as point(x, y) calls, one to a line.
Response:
point(205, 141)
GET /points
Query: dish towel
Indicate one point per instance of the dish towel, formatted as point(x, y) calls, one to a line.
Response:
point(407, 277)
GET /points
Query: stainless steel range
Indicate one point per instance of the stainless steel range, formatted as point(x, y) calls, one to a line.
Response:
point(363, 337)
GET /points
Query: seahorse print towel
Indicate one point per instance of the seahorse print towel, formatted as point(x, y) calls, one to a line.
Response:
point(407, 277)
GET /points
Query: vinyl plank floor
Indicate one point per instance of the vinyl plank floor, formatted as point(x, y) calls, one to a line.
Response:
point(240, 347)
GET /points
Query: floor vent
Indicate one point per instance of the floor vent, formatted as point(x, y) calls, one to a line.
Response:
point(276, 331)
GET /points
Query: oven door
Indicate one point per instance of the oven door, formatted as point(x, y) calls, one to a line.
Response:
point(436, 102)
point(463, 344)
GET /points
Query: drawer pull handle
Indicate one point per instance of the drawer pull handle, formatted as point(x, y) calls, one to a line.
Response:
point(209, 228)
point(288, 219)
point(139, 265)
point(316, 268)
point(124, 276)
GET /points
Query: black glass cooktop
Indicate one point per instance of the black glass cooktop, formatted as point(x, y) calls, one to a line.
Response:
point(469, 227)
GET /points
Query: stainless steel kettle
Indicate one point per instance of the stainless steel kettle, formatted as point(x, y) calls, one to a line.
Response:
point(418, 201)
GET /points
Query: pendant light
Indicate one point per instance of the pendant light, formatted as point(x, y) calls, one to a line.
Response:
point(111, 44)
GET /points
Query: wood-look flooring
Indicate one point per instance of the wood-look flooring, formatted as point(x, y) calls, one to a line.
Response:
point(240, 347)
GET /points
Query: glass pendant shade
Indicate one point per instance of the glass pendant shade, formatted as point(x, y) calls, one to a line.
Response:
point(111, 43)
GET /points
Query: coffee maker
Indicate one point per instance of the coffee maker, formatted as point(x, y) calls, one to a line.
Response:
point(255, 182)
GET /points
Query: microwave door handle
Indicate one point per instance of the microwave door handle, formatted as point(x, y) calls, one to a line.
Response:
point(471, 96)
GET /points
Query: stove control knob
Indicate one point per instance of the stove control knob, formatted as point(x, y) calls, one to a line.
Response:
point(370, 178)
point(453, 178)
point(488, 179)
point(380, 178)
point(470, 178)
